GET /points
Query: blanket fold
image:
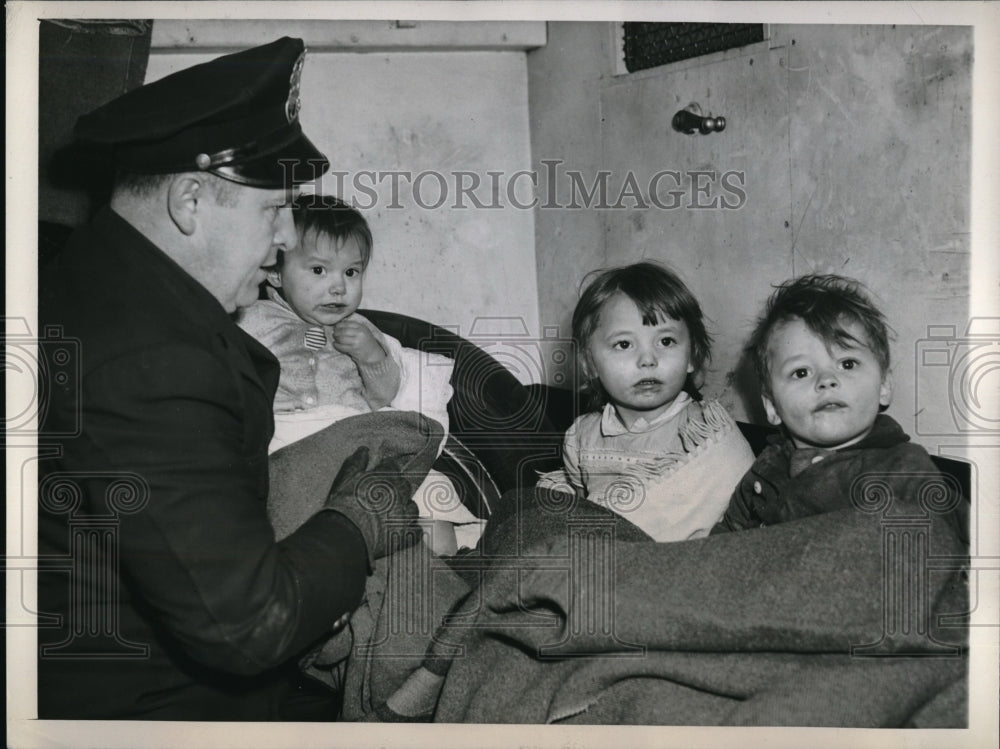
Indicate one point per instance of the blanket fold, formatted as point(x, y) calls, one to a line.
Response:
point(378, 661)
point(570, 613)
point(387, 636)
point(829, 620)
point(302, 472)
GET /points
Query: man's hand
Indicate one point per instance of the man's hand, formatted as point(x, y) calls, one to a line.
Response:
point(357, 341)
point(375, 499)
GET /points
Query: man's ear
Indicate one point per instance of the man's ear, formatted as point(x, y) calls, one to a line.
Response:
point(184, 198)
point(885, 390)
point(770, 410)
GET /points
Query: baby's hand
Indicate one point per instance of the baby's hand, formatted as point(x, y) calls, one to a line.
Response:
point(356, 340)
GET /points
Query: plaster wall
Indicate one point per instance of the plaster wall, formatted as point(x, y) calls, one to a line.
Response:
point(850, 146)
point(433, 113)
point(846, 150)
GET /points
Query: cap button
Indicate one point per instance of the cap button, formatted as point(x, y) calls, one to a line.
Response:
point(203, 160)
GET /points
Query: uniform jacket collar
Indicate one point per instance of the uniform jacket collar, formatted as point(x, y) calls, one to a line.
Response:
point(147, 260)
point(183, 295)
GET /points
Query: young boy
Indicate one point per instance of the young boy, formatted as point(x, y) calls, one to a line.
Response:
point(335, 363)
point(821, 351)
point(329, 355)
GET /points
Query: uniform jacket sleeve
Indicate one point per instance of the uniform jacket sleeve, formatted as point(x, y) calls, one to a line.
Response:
point(199, 547)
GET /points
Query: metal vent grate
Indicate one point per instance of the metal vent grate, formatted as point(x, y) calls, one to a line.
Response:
point(650, 44)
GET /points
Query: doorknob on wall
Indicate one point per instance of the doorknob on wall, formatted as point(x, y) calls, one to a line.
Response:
point(689, 121)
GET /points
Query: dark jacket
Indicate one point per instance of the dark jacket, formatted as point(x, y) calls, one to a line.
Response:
point(874, 475)
point(174, 599)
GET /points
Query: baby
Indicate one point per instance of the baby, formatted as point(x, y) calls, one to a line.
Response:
point(655, 452)
point(334, 362)
point(821, 351)
point(329, 354)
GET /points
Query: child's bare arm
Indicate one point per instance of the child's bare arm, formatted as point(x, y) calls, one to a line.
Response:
point(379, 372)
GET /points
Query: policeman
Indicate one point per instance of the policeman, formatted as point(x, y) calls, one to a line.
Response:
point(175, 601)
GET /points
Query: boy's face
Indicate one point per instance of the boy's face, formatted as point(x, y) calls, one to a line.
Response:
point(642, 367)
point(825, 395)
point(323, 279)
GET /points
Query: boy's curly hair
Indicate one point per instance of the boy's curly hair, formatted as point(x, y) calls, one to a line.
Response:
point(823, 302)
point(657, 292)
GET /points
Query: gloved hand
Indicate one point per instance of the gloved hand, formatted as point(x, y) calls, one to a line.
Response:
point(376, 500)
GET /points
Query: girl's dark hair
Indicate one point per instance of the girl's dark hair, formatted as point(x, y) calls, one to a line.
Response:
point(824, 303)
point(326, 215)
point(656, 291)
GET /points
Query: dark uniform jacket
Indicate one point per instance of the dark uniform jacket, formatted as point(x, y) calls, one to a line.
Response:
point(883, 473)
point(168, 595)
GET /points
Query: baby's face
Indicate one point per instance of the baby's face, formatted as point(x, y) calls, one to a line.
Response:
point(322, 279)
point(826, 395)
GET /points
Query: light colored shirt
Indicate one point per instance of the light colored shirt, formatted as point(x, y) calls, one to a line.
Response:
point(313, 372)
point(671, 476)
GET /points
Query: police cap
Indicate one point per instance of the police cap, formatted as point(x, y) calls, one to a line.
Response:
point(236, 116)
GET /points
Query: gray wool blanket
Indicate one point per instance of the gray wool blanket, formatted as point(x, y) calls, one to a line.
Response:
point(850, 618)
point(569, 613)
point(302, 472)
point(405, 598)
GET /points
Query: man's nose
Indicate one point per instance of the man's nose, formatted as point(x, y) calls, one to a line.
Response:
point(285, 237)
point(272, 256)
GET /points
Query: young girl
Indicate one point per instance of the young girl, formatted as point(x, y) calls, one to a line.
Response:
point(654, 452)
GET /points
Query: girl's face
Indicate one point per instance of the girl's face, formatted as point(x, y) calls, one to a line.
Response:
point(642, 367)
point(322, 279)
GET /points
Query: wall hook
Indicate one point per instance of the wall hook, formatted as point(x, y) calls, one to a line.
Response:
point(690, 121)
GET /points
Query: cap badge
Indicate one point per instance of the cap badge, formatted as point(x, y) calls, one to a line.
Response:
point(293, 105)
